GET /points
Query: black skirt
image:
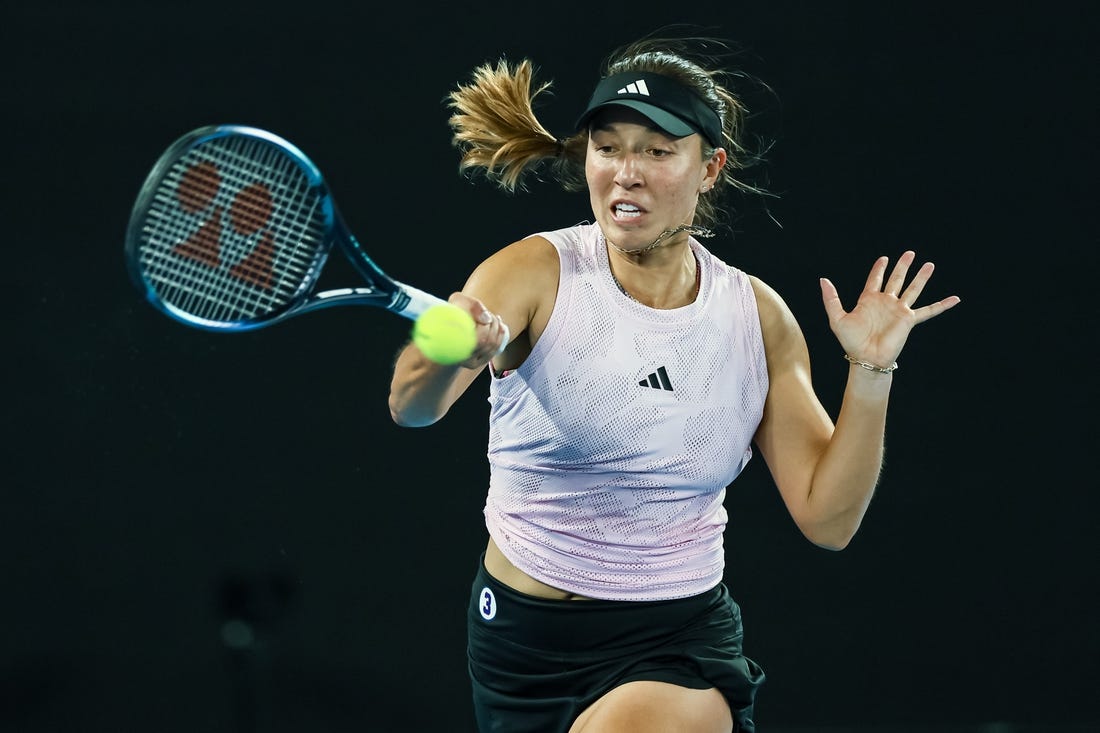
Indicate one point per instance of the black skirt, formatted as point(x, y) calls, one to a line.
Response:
point(536, 664)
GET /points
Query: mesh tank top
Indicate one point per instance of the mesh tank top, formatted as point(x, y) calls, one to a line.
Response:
point(611, 447)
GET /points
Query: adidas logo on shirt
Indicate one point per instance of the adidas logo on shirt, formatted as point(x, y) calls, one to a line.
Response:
point(657, 380)
point(635, 87)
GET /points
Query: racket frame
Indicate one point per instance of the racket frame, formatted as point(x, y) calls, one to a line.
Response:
point(381, 290)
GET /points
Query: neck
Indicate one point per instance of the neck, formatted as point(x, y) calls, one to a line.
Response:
point(665, 238)
point(664, 282)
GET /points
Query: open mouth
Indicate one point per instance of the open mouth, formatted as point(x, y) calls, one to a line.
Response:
point(626, 211)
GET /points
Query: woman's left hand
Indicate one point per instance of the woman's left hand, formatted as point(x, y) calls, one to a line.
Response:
point(876, 329)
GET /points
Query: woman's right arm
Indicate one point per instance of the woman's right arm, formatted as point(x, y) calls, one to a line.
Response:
point(512, 292)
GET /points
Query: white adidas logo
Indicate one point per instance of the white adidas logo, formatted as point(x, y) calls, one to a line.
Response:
point(636, 87)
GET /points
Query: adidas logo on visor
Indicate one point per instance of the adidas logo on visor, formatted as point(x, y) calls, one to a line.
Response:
point(635, 87)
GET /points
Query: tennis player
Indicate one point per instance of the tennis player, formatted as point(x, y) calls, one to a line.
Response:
point(641, 372)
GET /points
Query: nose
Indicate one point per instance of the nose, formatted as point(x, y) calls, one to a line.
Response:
point(629, 172)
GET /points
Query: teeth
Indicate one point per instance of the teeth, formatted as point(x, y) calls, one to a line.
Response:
point(627, 207)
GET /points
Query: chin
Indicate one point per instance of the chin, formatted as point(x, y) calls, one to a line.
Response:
point(629, 234)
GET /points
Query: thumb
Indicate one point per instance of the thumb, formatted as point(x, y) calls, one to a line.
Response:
point(471, 305)
point(829, 296)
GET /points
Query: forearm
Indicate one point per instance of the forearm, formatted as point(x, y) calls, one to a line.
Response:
point(850, 465)
point(422, 391)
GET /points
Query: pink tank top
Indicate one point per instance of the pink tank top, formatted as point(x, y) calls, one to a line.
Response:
point(611, 447)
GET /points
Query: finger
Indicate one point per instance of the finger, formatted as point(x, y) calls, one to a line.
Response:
point(497, 334)
point(505, 337)
point(897, 276)
point(934, 309)
point(912, 292)
point(471, 305)
point(874, 278)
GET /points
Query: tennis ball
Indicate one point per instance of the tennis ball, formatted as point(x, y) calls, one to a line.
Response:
point(445, 333)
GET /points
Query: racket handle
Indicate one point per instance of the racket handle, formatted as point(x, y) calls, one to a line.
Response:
point(418, 301)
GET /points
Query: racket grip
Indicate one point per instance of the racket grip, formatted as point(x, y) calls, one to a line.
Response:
point(418, 302)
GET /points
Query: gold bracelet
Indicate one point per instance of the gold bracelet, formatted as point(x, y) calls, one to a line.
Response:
point(872, 367)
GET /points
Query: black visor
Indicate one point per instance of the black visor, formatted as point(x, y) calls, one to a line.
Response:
point(670, 105)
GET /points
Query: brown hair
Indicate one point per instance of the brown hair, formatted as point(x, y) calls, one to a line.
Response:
point(495, 127)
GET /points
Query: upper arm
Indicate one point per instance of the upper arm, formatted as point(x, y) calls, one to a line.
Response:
point(519, 283)
point(795, 428)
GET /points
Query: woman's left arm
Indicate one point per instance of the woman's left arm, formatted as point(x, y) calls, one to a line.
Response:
point(826, 472)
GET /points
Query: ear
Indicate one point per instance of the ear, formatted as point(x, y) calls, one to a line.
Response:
point(713, 169)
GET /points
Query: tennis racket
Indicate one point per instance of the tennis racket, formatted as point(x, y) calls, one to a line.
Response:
point(232, 228)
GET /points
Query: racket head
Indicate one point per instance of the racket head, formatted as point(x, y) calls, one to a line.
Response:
point(231, 229)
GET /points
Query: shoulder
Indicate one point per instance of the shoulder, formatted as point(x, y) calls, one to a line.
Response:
point(519, 282)
point(768, 302)
point(778, 325)
point(529, 260)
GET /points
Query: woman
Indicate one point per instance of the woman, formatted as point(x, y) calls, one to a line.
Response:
point(631, 371)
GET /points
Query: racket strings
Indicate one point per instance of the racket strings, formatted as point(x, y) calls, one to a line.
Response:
point(235, 231)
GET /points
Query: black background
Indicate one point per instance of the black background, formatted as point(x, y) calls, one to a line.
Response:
point(162, 482)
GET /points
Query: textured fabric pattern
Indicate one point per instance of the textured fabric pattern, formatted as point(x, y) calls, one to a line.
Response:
point(611, 447)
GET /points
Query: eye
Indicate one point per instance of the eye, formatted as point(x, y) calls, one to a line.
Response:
point(659, 151)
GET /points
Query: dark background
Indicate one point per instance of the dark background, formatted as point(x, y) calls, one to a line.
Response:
point(169, 491)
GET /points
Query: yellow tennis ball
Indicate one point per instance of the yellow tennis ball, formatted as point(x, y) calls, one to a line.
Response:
point(445, 333)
